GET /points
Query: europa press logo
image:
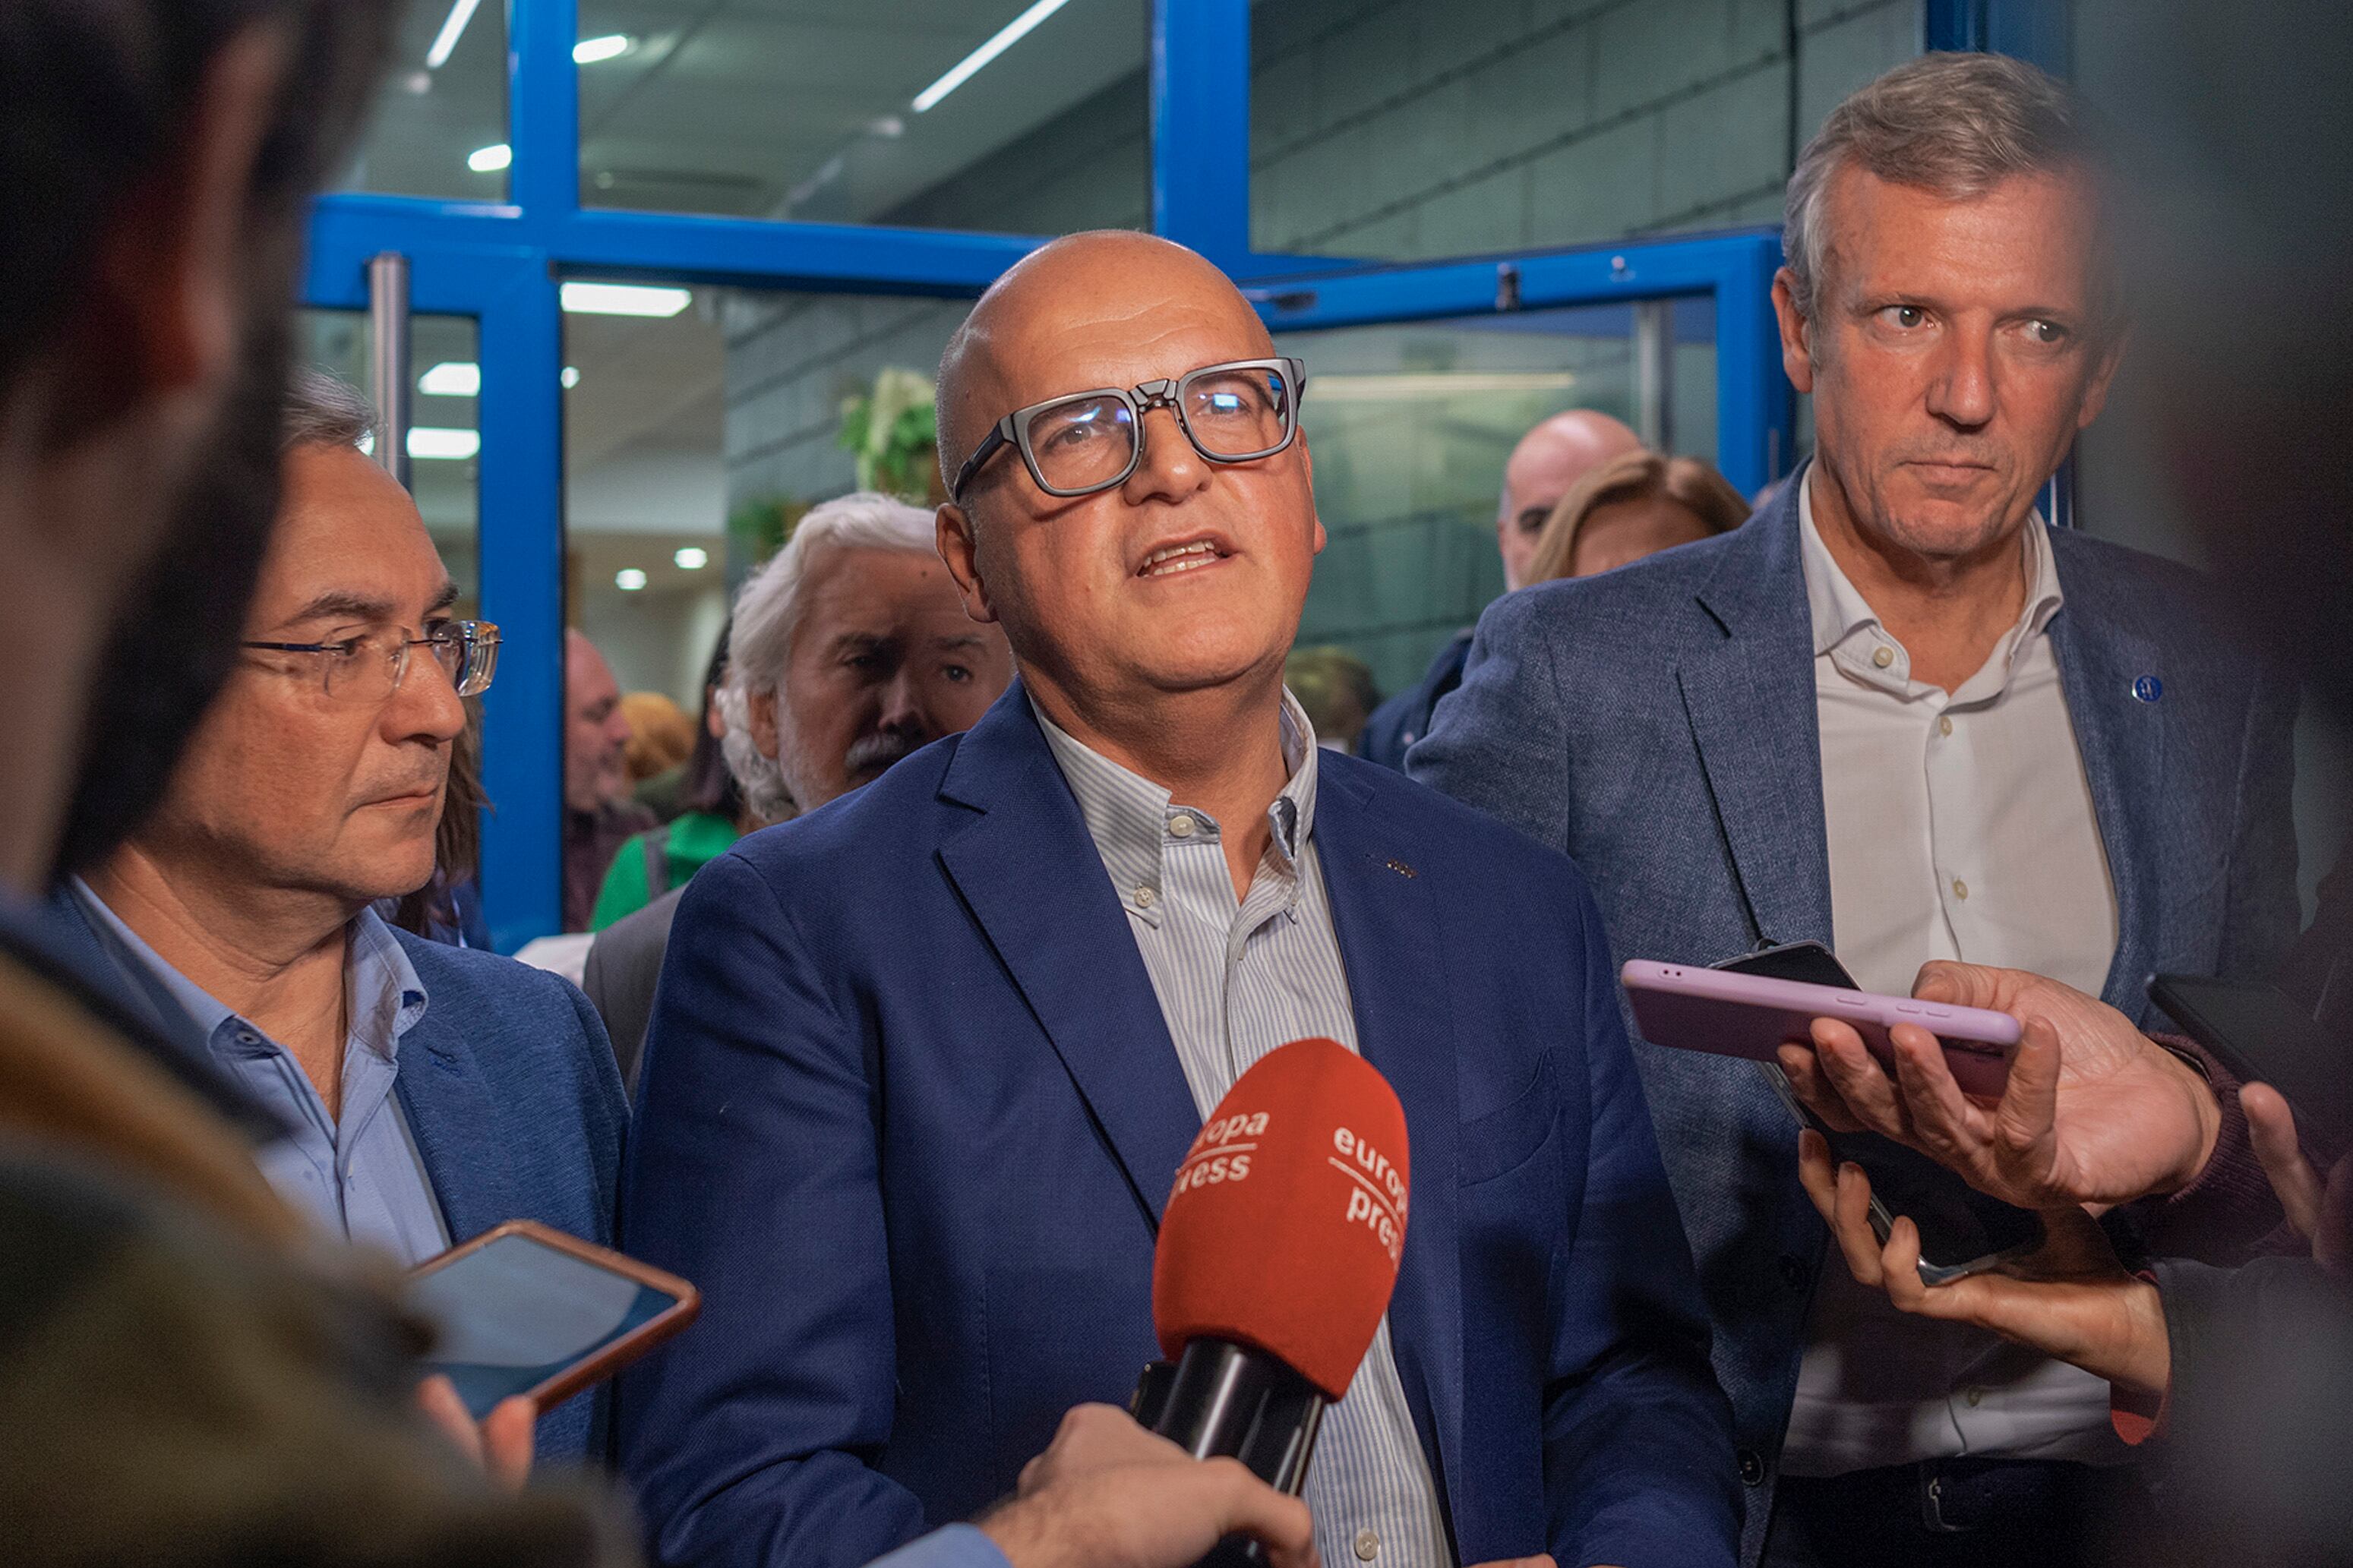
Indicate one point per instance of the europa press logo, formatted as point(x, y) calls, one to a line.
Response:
point(1377, 1194)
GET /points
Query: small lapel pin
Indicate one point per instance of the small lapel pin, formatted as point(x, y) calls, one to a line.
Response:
point(2149, 689)
point(1400, 868)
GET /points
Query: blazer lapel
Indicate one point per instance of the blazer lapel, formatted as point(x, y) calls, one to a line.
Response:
point(1036, 885)
point(2122, 741)
point(1749, 698)
point(456, 1123)
point(1390, 942)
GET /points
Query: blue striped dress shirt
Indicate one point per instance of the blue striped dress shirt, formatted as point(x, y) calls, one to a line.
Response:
point(1236, 978)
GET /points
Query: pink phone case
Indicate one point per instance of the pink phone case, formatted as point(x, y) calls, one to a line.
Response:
point(1692, 1009)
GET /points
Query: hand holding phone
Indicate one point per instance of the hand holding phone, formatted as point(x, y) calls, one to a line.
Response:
point(523, 1311)
point(2094, 1111)
point(1739, 1014)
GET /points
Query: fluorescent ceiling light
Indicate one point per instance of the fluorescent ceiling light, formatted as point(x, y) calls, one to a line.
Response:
point(1006, 36)
point(612, 45)
point(426, 441)
point(429, 442)
point(490, 160)
point(452, 378)
point(623, 299)
point(461, 12)
point(1380, 387)
point(571, 377)
point(628, 579)
point(691, 558)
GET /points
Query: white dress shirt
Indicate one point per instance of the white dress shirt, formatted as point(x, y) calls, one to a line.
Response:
point(1960, 826)
point(1235, 979)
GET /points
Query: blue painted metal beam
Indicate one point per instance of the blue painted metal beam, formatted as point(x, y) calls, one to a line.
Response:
point(543, 106)
point(1201, 127)
point(521, 567)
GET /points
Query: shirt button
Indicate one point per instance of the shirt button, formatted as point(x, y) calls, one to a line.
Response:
point(1944, 724)
point(1752, 1468)
point(1974, 1397)
point(1143, 896)
point(1883, 656)
point(1369, 1546)
point(1180, 826)
point(1960, 888)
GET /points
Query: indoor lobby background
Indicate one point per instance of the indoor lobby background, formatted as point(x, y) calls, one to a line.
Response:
point(700, 257)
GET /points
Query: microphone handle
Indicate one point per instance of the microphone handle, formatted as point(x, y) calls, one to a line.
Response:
point(1220, 1398)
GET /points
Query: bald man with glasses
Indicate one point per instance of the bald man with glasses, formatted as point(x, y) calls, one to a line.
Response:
point(428, 1092)
point(924, 1061)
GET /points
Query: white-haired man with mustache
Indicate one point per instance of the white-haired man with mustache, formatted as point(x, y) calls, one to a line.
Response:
point(851, 650)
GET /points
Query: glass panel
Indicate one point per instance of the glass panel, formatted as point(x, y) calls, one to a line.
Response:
point(443, 473)
point(1411, 425)
point(882, 112)
point(440, 126)
point(1407, 132)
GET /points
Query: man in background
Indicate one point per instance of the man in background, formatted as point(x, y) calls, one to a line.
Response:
point(430, 1091)
point(1548, 460)
point(598, 814)
point(849, 650)
point(1899, 715)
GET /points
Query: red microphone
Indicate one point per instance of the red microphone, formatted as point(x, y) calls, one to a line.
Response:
point(1278, 1253)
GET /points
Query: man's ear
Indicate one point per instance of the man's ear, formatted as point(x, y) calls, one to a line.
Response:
point(760, 708)
point(1797, 347)
point(1307, 466)
point(961, 550)
point(2103, 375)
point(169, 280)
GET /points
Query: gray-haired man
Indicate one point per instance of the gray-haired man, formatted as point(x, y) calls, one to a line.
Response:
point(850, 649)
point(1897, 714)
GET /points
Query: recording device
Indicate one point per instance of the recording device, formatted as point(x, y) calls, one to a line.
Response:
point(2264, 1036)
point(524, 1309)
point(1277, 1255)
point(1962, 1230)
point(1739, 1013)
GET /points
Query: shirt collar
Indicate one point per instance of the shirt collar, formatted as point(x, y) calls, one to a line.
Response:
point(1840, 613)
point(1128, 815)
point(387, 998)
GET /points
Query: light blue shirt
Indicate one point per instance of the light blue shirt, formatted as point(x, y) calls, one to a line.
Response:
point(361, 1178)
point(957, 1546)
point(1236, 978)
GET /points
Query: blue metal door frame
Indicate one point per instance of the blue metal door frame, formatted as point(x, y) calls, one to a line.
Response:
point(501, 263)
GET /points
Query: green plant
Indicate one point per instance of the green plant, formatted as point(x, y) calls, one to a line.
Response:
point(892, 433)
point(760, 526)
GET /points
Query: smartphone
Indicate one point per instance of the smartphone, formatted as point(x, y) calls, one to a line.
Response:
point(525, 1309)
point(2264, 1036)
point(1962, 1230)
point(1734, 1013)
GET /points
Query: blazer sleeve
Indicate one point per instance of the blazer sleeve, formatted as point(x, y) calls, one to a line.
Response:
point(2264, 914)
point(753, 1172)
point(1496, 742)
point(1638, 1435)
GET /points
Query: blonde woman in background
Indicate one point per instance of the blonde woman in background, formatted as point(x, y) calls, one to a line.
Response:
point(1630, 506)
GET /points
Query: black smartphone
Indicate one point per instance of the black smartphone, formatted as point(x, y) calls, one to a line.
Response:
point(522, 1309)
point(2264, 1036)
point(1962, 1230)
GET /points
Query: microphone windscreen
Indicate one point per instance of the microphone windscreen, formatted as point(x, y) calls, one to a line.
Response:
point(1287, 1219)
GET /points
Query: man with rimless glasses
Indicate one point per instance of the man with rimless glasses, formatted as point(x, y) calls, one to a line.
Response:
point(429, 1092)
point(924, 1061)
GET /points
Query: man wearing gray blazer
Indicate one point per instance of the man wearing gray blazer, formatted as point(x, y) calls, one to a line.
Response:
point(1896, 713)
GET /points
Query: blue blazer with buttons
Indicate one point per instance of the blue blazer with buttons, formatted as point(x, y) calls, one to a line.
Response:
point(1658, 724)
point(908, 1112)
point(509, 1090)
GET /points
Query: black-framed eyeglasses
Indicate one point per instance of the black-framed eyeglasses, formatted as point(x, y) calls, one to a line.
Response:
point(368, 668)
point(1084, 442)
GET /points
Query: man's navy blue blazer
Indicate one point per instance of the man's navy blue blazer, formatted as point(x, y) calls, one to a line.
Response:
point(1658, 723)
point(512, 1095)
point(909, 1113)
